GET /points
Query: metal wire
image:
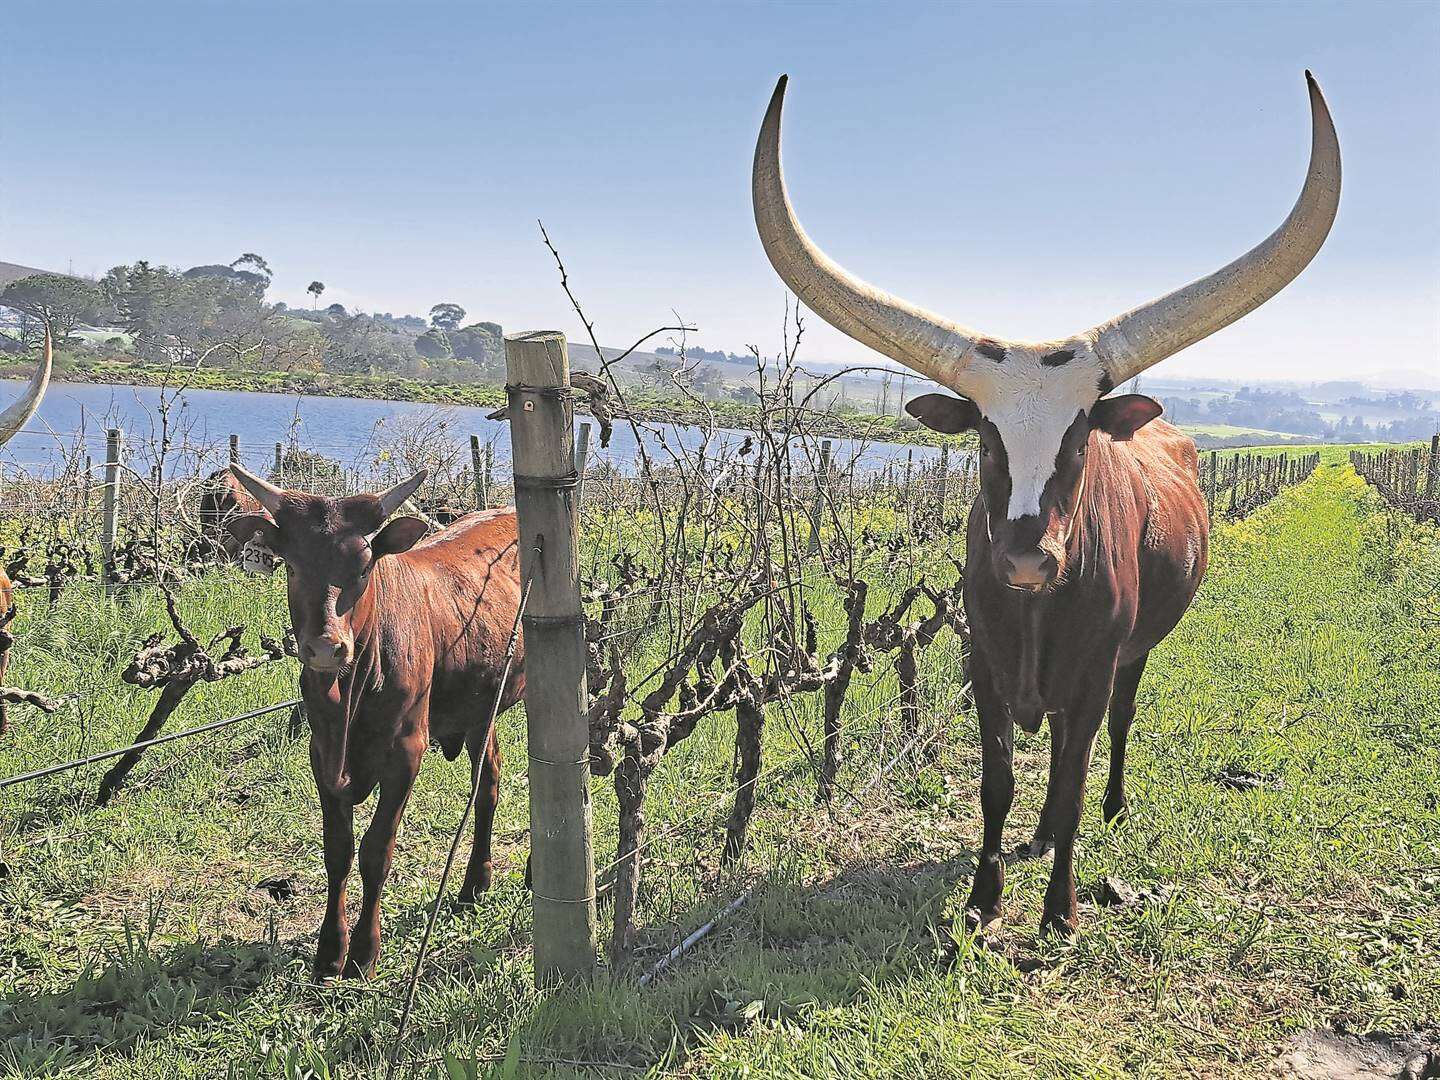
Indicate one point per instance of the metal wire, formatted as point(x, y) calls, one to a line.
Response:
point(215, 725)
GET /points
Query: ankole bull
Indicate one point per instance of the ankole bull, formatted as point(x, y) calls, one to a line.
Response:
point(403, 643)
point(1089, 537)
point(11, 421)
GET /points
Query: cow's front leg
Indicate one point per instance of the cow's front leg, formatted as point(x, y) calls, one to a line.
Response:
point(997, 791)
point(377, 849)
point(1068, 783)
point(338, 821)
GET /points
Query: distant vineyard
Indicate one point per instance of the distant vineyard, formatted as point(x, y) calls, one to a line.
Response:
point(1408, 479)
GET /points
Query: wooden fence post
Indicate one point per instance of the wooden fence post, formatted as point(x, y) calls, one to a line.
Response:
point(280, 464)
point(582, 454)
point(562, 861)
point(110, 504)
point(1210, 487)
point(477, 476)
point(234, 449)
point(944, 480)
point(1432, 469)
point(822, 482)
point(489, 470)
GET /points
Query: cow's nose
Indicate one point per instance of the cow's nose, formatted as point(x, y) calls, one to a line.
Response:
point(1030, 569)
point(324, 652)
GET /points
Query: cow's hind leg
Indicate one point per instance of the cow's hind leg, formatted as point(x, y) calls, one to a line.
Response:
point(338, 818)
point(997, 791)
point(1122, 715)
point(377, 850)
point(484, 760)
point(1044, 838)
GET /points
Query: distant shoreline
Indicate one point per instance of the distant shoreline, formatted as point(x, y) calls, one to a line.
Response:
point(727, 414)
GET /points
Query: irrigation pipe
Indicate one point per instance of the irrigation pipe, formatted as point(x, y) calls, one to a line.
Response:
point(690, 942)
point(214, 725)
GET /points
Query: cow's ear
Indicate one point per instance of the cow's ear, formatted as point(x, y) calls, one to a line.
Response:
point(1120, 417)
point(945, 414)
point(400, 535)
point(246, 526)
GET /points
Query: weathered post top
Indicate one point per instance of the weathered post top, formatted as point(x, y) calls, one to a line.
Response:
point(562, 865)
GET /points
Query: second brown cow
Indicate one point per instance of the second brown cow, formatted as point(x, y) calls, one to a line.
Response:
point(403, 643)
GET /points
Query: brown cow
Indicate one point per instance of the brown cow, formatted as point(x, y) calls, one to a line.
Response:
point(1089, 537)
point(11, 421)
point(222, 498)
point(402, 643)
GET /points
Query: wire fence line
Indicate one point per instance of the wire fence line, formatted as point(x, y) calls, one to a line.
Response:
point(105, 755)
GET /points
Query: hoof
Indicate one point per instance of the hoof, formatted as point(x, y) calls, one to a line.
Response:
point(1116, 812)
point(1037, 848)
point(977, 920)
point(1059, 926)
point(354, 970)
point(327, 972)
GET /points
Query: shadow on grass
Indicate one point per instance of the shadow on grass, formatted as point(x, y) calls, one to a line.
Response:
point(132, 994)
point(793, 950)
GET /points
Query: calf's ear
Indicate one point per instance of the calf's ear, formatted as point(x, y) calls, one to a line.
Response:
point(945, 414)
point(400, 535)
point(1120, 417)
point(244, 527)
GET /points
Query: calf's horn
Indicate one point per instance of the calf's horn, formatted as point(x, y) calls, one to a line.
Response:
point(266, 493)
point(391, 500)
point(18, 414)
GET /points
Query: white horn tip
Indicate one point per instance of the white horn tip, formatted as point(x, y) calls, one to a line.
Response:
point(777, 100)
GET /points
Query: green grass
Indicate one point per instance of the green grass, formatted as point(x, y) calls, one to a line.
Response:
point(135, 944)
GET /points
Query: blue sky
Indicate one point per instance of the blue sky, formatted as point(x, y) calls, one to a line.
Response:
point(1029, 169)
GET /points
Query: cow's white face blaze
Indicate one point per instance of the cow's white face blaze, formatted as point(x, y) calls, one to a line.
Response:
point(1034, 421)
point(1032, 394)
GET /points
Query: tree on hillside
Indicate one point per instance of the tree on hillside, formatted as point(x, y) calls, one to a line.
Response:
point(482, 345)
point(184, 318)
point(338, 310)
point(433, 344)
point(255, 264)
point(315, 288)
point(63, 302)
point(446, 316)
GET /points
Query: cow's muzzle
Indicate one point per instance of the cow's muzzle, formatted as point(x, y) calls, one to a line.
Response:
point(325, 653)
point(1030, 571)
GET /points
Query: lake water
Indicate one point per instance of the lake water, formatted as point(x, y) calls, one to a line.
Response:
point(343, 429)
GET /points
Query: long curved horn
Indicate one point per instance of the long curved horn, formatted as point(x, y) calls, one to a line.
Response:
point(266, 493)
point(1138, 339)
point(919, 339)
point(18, 414)
point(390, 500)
